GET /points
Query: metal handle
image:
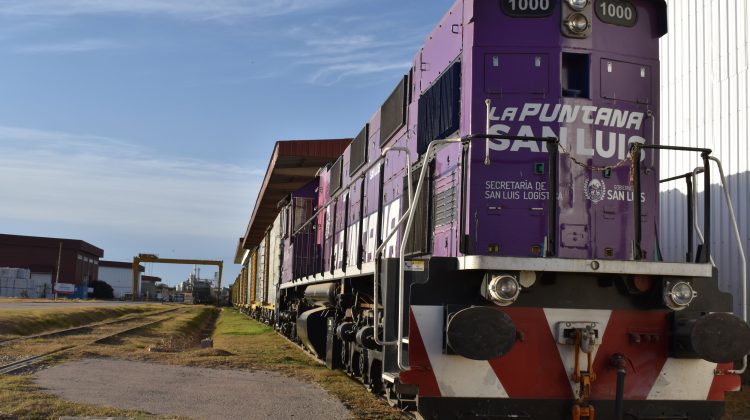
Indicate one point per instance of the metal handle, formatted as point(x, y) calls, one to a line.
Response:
point(407, 230)
point(743, 258)
point(376, 275)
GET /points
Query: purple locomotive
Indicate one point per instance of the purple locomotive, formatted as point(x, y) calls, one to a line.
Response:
point(487, 245)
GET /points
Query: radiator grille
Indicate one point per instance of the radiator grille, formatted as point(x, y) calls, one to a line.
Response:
point(445, 207)
point(419, 241)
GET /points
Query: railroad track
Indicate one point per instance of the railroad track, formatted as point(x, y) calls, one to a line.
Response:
point(25, 363)
point(72, 330)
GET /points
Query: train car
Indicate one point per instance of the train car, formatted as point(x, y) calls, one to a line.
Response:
point(487, 244)
point(274, 259)
point(261, 276)
point(241, 289)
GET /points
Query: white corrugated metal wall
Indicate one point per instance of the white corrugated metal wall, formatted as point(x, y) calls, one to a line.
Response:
point(705, 100)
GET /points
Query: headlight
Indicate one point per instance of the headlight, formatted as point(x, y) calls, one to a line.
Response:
point(503, 289)
point(577, 23)
point(578, 4)
point(679, 295)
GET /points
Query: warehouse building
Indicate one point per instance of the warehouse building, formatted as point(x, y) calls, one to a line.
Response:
point(705, 62)
point(70, 263)
point(119, 275)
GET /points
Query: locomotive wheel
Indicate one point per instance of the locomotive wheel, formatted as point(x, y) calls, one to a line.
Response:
point(363, 368)
point(376, 379)
point(345, 356)
point(355, 365)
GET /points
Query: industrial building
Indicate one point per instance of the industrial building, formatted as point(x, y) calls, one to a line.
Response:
point(148, 287)
point(119, 275)
point(70, 262)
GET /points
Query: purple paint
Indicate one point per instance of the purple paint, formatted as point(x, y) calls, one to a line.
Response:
point(505, 208)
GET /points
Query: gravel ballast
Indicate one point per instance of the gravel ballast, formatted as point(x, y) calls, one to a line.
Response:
point(187, 391)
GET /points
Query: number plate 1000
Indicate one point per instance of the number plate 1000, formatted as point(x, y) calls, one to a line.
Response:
point(617, 12)
point(527, 8)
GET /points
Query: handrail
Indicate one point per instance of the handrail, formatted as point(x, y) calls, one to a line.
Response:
point(690, 177)
point(345, 188)
point(696, 226)
point(551, 146)
point(376, 256)
point(401, 260)
point(679, 177)
point(743, 257)
point(552, 213)
point(692, 222)
point(638, 224)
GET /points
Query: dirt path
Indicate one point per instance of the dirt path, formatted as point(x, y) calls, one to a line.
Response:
point(62, 304)
point(190, 392)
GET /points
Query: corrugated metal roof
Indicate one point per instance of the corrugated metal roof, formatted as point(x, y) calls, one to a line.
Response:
point(42, 242)
point(293, 164)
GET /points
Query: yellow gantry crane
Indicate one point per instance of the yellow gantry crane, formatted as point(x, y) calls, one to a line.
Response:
point(149, 258)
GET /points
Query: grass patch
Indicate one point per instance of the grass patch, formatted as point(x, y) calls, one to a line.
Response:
point(23, 322)
point(239, 343)
point(256, 346)
point(738, 405)
point(21, 399)
point(232, 323)
point(171, 338)
point(198, 323)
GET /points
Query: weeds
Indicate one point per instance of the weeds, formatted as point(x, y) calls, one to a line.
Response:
point(21, 322)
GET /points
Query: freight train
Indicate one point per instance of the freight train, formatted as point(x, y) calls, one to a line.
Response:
point(487, 245)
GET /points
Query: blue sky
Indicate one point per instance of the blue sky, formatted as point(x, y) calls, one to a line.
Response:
point(146, 125)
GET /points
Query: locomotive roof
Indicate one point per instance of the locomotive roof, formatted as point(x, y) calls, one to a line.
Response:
point(293, 164)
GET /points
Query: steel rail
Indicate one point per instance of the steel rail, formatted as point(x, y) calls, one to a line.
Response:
point(67, 331)
point(24, 363)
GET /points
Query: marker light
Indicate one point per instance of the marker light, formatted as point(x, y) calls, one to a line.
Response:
point(679, 295)
point(503, 289)
point(577, 23)
point(578, 4)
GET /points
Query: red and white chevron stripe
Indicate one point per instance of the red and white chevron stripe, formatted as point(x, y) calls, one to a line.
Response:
point(540, 368)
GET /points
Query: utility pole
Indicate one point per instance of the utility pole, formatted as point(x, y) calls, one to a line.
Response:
point(57, 276)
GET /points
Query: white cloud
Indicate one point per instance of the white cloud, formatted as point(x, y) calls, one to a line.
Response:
point(92, 182)
point(195, 9)
point(78, 46)
point(334, 73)
point(353, 47)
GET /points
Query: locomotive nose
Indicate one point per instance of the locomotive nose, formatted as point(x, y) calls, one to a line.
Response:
point(480, 333)
point(717, 337)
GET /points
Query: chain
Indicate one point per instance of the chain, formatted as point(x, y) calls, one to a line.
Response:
point(633, 154)
point(566, 153)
